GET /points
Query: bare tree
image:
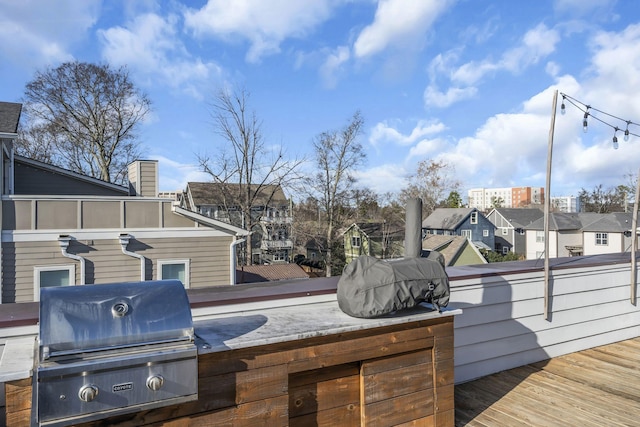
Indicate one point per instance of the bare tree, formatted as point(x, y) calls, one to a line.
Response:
point(250, 173)
point(602, 200)
point(431, 182)
point(88, 114)
point(338, 155)
point(35, 143)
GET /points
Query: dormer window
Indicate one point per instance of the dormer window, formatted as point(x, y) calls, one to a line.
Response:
point(474, 217)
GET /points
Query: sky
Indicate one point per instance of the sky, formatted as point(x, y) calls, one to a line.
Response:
point(467, 82)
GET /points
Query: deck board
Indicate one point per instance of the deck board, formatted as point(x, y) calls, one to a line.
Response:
point(596, 387)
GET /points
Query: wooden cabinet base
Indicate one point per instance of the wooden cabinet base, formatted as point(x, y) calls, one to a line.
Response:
point(400, 375)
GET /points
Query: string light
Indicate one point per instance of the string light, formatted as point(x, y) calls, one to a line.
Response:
point(588, 112)
point(626, 131)
point(585, 125)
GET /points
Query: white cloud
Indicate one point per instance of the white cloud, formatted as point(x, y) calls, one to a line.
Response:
point(614, 73)
point(173, 176)
point(433, 97)
point(398, 24)
point(388, 178)
point(581, 7)
point(150, 45)
point(36, 33)
point(265, 24)
point(536, 44)
point(382, 133)
point(334, 65)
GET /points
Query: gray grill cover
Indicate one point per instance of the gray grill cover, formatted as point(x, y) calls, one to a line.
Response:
point(370, 287)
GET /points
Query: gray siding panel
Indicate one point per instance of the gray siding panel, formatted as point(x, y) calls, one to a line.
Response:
point(503, 326)
point(105, 262)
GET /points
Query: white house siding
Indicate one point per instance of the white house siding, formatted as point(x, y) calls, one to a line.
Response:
point(207, 250)
point(616, 243)
point(535, 248)
point(503, 325)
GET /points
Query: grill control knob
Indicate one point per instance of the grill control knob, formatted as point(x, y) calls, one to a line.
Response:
point(155, 382)
point(88, 392)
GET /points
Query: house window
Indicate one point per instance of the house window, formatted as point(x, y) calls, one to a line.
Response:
point(602, 239)
point(485, 233)
point(539, 236)
point(355, 241)
point(52, 275)
point(505, 250)
point(177, 269)
point(466, 233)
point(474, 217)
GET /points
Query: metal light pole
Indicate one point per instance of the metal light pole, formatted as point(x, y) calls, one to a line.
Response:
point(634, 242)
point(547, 202)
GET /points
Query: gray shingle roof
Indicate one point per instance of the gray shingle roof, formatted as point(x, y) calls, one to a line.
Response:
point(585, 221)
point(446, 218)
point(212, 193)
point(9, 117)
point(520, 217)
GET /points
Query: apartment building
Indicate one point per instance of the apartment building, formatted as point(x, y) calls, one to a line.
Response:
point(485, 199)
point(566, 204)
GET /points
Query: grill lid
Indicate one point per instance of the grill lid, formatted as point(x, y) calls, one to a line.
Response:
point(78, 319)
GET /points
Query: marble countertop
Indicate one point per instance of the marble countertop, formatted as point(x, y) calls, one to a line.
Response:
point(241, 329)
point(17, 359)
point(232, 331)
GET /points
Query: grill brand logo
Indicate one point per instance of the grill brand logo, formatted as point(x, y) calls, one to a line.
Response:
point(122, 387)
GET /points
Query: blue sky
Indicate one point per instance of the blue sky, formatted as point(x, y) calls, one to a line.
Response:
point(469, 82)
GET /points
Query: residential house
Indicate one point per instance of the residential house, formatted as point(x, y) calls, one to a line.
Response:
point(377, 239)
point(575, 234)
point(62, 228)
point(510, 224)
point(467, 222)
point(271, 236)
point(457, 250)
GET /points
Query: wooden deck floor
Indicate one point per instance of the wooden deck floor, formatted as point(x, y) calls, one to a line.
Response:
point(596, 387)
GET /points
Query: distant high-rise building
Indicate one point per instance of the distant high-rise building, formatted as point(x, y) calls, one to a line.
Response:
point(508, 197)
point(565, 204)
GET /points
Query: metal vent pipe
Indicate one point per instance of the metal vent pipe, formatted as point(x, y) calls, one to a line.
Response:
point(413, 229)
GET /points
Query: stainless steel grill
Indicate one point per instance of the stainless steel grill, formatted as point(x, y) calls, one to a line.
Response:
point(111, 349)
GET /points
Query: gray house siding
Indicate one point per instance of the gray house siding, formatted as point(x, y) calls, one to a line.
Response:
point(457, 221)
point(143, 178)
point(105, 262)
point(510, 223)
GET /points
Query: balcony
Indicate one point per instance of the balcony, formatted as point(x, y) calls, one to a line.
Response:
point(511, 365)
point(276, 220)
point(266, 245)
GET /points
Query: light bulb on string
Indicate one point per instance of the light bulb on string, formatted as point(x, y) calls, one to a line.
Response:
point(626, 132)
point(563, 109)
point(615, 138)
point(585, 125)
